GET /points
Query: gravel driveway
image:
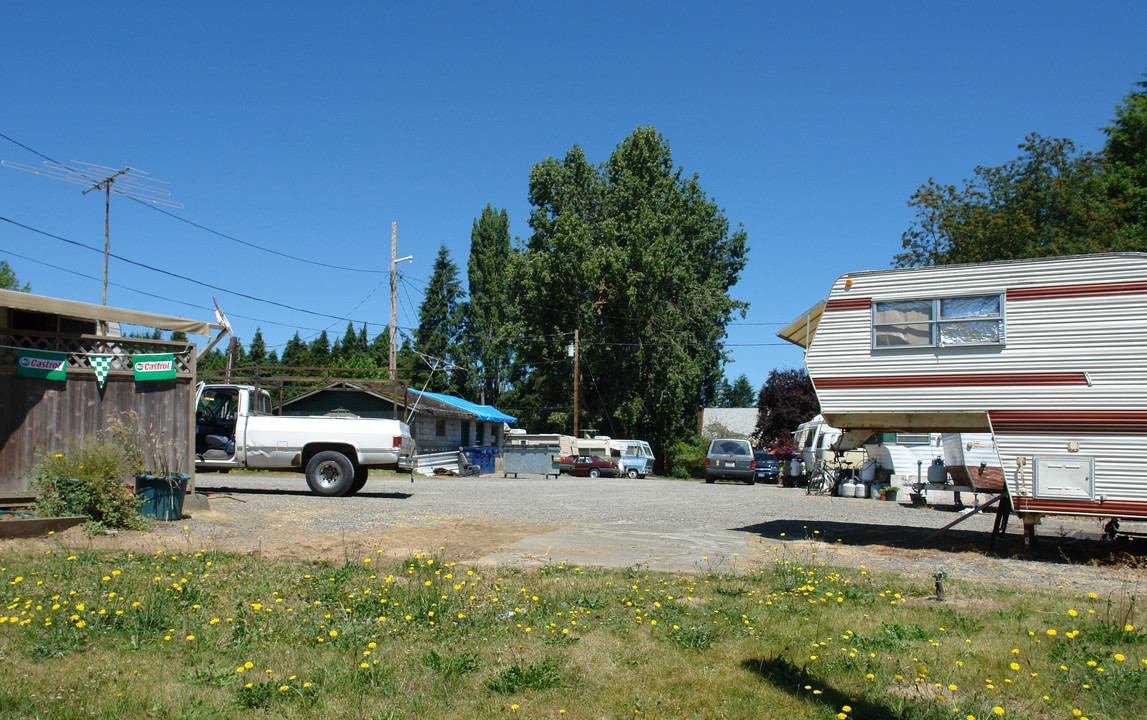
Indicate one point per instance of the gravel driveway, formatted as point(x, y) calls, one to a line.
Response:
point(657, 523)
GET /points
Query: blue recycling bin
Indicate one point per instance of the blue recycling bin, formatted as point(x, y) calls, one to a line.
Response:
point(483, 457)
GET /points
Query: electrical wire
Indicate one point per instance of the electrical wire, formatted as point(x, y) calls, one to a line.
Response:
point(207, 229)
point(171, 274)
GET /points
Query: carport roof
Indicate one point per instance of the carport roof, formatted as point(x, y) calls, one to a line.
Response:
point(87, 311)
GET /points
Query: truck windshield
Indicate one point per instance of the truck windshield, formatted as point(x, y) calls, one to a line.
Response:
point(218, 404)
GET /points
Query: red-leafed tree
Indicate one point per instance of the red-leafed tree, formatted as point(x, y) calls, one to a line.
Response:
point(786, 400)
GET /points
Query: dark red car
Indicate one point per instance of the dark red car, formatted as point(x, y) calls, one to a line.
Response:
point(592, 466)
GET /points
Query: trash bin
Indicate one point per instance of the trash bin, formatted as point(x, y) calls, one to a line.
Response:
point(483, 457)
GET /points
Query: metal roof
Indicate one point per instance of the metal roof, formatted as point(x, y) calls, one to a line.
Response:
point(88, 311)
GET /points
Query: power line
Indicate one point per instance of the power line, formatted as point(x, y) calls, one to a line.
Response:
point(207, 229)
point(174, 275)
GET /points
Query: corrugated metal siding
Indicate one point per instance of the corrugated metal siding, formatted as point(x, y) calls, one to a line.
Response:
point(1104, 336)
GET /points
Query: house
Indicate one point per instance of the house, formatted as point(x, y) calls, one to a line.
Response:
point(64, 372)
point(726, 422)
point(438, 422)
point(1048, 355)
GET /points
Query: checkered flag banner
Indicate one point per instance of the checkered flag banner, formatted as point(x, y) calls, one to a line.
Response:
point(101, 364)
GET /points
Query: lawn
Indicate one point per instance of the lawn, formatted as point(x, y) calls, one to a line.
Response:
point(202, 634)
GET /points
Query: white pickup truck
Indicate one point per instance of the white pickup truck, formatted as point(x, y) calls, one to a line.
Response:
point(235, 428)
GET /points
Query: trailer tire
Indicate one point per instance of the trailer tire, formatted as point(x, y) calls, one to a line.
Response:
point(360, 477)
point(632, 473)
point(330, 473)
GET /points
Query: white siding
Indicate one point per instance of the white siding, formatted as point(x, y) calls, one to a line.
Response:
point(1104, 336)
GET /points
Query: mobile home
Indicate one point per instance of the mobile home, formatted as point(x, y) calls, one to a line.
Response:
point(1047, 355)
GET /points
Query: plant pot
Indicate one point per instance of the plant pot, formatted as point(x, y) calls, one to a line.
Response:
point(889, 496)
point(162, 495)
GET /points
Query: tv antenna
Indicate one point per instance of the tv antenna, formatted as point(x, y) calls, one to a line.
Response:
point(129, 182)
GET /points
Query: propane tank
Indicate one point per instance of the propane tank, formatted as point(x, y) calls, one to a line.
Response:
point(937, 473)
point(848, 488)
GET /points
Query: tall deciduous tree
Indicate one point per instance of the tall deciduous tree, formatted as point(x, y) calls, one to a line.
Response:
point(634, 256)
point(786, 400)
point(1048, 201)
point(1126, 176)
point(485, 315)
point(439, 326)
point(8, 279)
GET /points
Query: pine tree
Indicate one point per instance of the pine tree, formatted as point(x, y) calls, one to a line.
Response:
point(489, 348)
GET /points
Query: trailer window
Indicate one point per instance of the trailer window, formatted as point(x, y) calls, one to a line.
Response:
point(939, 322)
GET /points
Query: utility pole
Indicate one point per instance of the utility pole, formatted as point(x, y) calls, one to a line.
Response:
point(393, 366)
point(394, 260)
point(576, 357)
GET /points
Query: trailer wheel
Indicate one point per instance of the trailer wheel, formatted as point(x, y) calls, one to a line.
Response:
point(632, 473)
point(360, 477)
point(330, 473)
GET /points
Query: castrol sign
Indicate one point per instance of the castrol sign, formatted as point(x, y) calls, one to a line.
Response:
point(42, 364)
point(153, 367)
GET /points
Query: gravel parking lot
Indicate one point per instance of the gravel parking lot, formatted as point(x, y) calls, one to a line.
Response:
point(657, 523)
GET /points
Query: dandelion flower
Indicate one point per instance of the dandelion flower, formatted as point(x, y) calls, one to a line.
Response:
point(998, 710)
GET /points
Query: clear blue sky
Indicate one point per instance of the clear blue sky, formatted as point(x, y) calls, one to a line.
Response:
point(310, 127)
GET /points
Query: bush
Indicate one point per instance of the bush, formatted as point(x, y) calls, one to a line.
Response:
point(87, 479)
point(686, 457)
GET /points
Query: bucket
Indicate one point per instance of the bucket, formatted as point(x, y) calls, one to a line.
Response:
point(868, 471)
point(794, 467)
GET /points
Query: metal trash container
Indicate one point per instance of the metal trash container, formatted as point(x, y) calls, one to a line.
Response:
point(531, 459)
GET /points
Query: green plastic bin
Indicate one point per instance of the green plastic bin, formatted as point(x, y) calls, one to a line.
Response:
point(162, 496)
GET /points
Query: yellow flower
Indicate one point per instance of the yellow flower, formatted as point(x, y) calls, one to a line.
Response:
point(998, 710)
point(1014, 666)
point(1119, 657)
point(1128, 628)
point(1051, 632)
point(514, 706)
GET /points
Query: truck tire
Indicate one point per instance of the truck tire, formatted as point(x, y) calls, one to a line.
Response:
point(360, 476)
point(330, 473)
point(632, 473)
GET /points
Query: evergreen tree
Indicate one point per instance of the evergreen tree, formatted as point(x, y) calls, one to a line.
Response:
point(487, 341)
point(440, 325)
point(319, 353)
point(257, 354)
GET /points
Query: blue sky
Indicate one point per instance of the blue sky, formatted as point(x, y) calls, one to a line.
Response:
point(309, 128)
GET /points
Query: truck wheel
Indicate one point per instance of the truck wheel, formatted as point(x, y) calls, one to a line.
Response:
point(594, 472)
point(632, 473)
point(360, 476)
point(330, 473)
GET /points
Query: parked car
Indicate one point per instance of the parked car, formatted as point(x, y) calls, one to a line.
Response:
point(768, 468)
point(730, 458)
point(593, 466)
point(566, 463)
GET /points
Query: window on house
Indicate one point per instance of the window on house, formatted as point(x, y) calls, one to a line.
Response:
point(440, 428)
point(939, 322)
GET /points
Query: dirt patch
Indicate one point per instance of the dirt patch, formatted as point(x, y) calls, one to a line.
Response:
point(461, 540)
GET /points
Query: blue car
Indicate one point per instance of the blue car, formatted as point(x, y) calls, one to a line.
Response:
point(767, 467)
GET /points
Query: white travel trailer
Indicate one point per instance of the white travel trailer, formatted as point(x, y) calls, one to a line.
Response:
point(1048, 355)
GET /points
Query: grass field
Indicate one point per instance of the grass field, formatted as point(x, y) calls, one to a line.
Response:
point(202, 634)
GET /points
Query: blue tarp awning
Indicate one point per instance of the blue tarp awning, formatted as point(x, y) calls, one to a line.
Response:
point(488, 413)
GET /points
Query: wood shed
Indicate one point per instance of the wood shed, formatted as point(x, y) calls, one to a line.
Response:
point(65, 370)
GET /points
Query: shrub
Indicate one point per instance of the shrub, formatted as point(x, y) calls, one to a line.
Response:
point(87, 479)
